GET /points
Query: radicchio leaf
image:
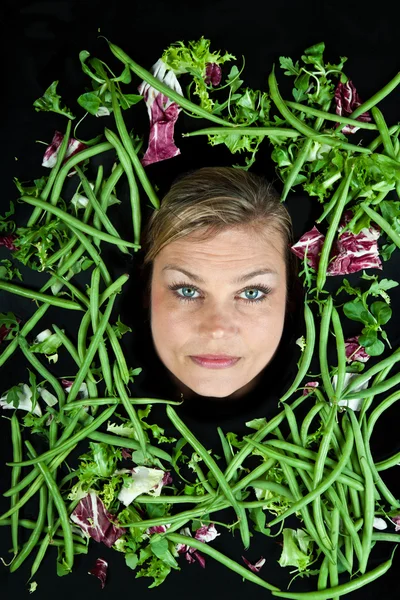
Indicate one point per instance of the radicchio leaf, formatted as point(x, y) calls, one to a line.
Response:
point(257, 566)
point(94, 519)
point(213, 74)
point(163, 114)
point(100, 571)
point(347, 100)
point(8, 241)
point(354, 351)
point(350, 252)
point(50, 155)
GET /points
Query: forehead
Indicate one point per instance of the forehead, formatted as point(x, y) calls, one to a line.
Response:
point(231, 248)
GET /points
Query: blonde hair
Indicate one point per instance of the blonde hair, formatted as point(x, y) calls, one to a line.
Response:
point(211, 199)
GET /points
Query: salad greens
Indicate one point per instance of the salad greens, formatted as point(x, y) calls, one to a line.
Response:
point(131, 481)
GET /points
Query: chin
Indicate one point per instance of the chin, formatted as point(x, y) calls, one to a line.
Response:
point(213, 391)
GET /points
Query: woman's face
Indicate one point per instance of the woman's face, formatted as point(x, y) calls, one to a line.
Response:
point(219, 306)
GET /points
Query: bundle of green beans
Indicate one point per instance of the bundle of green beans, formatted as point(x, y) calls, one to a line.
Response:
point(332, 484)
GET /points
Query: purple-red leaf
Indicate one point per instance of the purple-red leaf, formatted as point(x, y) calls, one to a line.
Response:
point(163, 114)
point(347, 100)
point(213, 74)
point(50, 155)
point(8, 241)
point(257, 566)
point(94, 519)
point(100, 571)
point(354, 351)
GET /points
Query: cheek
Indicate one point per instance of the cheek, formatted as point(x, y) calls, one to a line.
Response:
point(165, 320)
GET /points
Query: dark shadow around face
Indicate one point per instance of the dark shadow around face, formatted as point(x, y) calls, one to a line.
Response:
point(207, 300)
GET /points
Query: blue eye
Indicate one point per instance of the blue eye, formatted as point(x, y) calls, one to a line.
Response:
point(193, 290)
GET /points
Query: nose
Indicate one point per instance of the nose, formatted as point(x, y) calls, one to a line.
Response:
point(218, 322)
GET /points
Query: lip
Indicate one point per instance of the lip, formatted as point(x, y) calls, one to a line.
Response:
point(215, 361)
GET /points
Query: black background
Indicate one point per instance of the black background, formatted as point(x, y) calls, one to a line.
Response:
point(40, 43)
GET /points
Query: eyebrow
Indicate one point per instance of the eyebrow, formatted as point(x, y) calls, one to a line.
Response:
point(241, 279)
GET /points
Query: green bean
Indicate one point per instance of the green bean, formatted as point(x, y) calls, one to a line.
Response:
point(376, 389)
point(35, 486)
point(320, 487)
point(376, 413)
point(305, 426)
point(351, 479)
point(384, 132)
point(172, 499)
point(22, 523)
point(308, 110)
point(91, 351)
point(332, 232)
point(212, 465)
point(47, 540)
point(53, 174)
point(203, 479)
point(294, 488)
point(113, 288)
point(299, 162)
point(307, 354)
point(227, 450)
point(165, 89)
point(29, 325)
point(253, 475)
point(347, 521)
point(318, 473)
point(94, 312)
point(72, 440)
point(368, 400)
point(35, 362)
point(376, 98)
point(16, 471)
point(296, 167)
point(74, 223)
point(115, 440)
point(343, 588)
point(72, 162)
point(379, 483)
point(369, 496)
point(334, 528)
point(99, 179)
point(348, 542)
point(365, 376)
point(109, 186)
point(102, 401)
point(231, 564)
point(133, 189)
point(53, 300)
point(100, 212)
point(74, 354)
point(128, 145)
point(94, 255)
point(278, 132)
point(258, 436)
point(323, 574)
point(323, 343)
point(301, 126)
point(395, 237)
point(35, 535)
point(388, 462)
point(62, 511)
point(341, 352)
point(129, 409)
point(53, 431)
point(386, 537)
point(119, 355)
point(272, 486)
point(378, 140)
